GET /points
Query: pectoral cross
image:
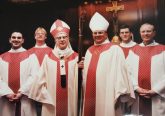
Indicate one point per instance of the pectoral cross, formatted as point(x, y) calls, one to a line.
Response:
point(115, 8)
point(62, 66)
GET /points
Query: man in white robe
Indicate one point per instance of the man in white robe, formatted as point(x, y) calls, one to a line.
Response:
point(126, 44)
point(17, 68)
point(40, 50)
point(56, 84)
point(126, 36)
point(147, 71)
point(105, 80)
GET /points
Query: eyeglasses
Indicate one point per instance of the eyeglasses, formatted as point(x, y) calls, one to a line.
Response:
point(14, 37)
point(40, 33)
point(61, 37)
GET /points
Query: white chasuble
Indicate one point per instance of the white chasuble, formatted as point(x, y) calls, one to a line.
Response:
point(57, 92)
point(16, 74)
point(104, 80)
point(147, 70)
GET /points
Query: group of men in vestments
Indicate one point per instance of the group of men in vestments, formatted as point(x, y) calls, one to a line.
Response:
point(128, 78)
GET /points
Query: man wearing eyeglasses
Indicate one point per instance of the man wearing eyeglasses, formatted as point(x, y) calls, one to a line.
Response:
point(40, 50)
point(56, 84)
point(17, 68)
point(147, 71)
point(105, 81)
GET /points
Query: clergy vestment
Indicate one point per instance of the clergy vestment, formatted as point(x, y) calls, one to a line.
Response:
point(127, 46)
point(40, 52)
point(57, 92)
point(17, 68)
point(146, 65)
point(105, 80)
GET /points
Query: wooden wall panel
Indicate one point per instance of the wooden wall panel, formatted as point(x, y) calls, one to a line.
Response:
point(135, 12)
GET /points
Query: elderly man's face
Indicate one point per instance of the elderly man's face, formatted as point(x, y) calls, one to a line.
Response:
point(99, 36)
point(147, 33)
point(62, 40)
point(16, 40)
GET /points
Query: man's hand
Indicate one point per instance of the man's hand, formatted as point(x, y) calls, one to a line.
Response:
point(14, 97)
point(152, 93)
point(10, 97)
point(81, 63)
point(17, 96)
point(145, 92)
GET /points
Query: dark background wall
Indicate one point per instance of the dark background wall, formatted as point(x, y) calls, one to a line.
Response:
point(27, 17)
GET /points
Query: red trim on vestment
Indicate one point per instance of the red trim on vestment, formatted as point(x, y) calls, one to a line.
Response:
point(62, 93)
point(126, 50)
point(90, 91)
point(145, 55)
point(40, 53)
point(14, 60)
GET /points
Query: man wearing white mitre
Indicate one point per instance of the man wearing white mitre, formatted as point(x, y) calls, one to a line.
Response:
point(105, 80)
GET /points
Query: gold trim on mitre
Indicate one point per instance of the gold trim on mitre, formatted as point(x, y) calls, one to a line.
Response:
point(59, 28)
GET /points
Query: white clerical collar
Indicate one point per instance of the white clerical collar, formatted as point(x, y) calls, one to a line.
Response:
point(21, 49)
point(127, 45)
point(106, 41)
point(63, 53)
point(42, 46)
point(151, 44)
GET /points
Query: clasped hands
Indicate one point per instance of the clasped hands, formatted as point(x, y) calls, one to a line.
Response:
point(145, 92)
point(14, 97)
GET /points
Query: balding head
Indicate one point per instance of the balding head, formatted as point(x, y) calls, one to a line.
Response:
point(147, 32)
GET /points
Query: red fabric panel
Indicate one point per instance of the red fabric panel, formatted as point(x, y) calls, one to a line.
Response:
point(14, 60)
point(90, 92)
point(62, 93)
point(40, 53)
point(145, 55)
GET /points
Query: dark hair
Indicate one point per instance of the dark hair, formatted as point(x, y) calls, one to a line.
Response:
point(124, 26)
point(16, 30)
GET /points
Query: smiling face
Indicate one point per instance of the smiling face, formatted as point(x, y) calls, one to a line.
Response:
point(147, 33)
point(99, 36)
point(62, 40)
point(16, 40)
